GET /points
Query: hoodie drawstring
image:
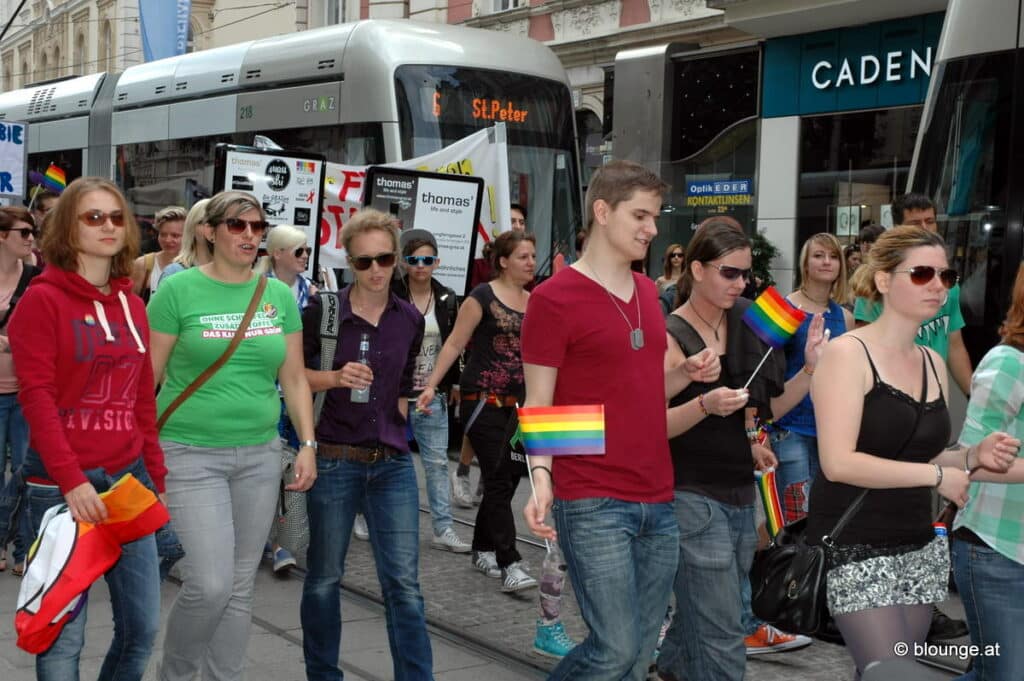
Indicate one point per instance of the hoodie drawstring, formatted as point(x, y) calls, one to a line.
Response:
point(101, 316)
point(131, 322)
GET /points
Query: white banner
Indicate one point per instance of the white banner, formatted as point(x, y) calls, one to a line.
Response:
point(13, 158)
point(483, 154)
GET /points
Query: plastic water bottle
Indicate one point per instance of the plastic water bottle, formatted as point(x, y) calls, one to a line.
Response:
point(362, 395)
point(552, 579)
point(940, 529)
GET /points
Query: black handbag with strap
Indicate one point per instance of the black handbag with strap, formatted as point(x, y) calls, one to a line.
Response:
point(788, 577)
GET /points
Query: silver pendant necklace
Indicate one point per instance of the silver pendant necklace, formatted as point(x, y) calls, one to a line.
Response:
point(636, 336)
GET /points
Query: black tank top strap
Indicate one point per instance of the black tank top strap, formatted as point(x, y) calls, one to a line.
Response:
point(874, 371)
point(935, 373)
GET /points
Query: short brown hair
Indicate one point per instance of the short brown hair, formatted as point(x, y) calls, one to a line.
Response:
point(368, 220)
point(11, 214)
point(60, 242)
point(886, 255)
point(506, 244)
point(169, 214)
point(617, 182)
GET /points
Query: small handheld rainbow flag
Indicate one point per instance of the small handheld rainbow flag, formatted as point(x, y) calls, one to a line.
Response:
point(773, 319)
point(54, 179)
point(563, 430)
point(770, 500)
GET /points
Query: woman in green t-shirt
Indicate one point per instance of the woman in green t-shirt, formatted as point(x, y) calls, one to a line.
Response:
point(222, 447)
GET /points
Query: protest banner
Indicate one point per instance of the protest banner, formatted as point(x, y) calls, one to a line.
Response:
point(13, 159)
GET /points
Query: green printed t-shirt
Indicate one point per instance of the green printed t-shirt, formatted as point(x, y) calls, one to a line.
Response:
point(239, 405)
point(934, 333)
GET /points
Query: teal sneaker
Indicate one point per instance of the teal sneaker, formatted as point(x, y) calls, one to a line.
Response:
point(552, 641)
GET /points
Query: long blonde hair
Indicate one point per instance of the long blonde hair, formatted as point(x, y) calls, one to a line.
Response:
point(196, 216)
point(839, 291)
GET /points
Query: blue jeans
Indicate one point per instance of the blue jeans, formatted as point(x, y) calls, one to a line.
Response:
point(386, 494)
point(798, 466)
point(431, 433)
point(716, 549)
point(621, 557)
point(14, 432)
point(134, 585)
point(992, 589)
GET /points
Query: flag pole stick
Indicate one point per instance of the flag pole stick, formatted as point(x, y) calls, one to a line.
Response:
point(529, 476)
point(758, 367)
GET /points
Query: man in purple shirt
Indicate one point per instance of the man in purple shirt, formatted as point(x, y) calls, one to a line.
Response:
point(363, 462)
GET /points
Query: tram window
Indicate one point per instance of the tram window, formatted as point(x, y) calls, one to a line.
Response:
point(963, 165)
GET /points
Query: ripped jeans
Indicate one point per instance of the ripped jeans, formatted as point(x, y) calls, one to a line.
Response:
point(798, 466)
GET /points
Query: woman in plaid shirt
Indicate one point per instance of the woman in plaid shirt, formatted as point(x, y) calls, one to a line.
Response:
point(988, 539)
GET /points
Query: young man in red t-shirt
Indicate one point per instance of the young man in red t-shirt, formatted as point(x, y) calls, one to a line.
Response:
point(594, 334)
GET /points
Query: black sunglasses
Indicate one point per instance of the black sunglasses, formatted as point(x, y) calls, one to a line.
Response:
point(923, 274)
point(732, 273)
point(425, 260)
point(676, 255)
point(303, 250)
point(25, 232)
point(238, 225)
point(365, 262)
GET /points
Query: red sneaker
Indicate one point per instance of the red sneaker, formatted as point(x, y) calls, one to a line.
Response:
point(768, 639)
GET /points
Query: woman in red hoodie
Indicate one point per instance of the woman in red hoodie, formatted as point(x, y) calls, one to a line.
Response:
point(79, 339)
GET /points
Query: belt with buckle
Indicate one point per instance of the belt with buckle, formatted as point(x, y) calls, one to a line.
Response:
point(326, 450)
point(492, 399)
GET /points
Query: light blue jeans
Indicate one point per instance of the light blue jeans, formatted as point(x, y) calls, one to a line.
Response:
point(14, 432)
point(798, 466)
point(431, 433)
point(992, 589)
point(712, 586)
point(621, 557)
point(222, 503)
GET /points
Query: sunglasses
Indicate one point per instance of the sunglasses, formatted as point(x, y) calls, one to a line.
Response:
point(238, 225)
point(676, 255)
point(732, 273)
point(303, 250)
point(97, 218)
point(365, 262)
point(25, 232)
point(923, 274)
point(424, 260)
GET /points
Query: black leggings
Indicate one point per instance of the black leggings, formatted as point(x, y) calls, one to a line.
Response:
point(495, 524)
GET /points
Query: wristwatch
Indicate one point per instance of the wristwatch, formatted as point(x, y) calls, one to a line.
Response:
point(308, 443)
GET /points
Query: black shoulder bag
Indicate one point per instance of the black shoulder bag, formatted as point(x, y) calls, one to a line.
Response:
point(788, 577)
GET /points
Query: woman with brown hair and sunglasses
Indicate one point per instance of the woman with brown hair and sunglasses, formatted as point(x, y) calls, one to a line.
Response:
point(222, 446)
point(889, 566)
point(672, 267)
point(79, 344)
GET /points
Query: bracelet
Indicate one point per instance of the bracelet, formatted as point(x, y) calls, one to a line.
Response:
point(543, 468)
point(308, 443)
point(700, 403)
point(809, 372)
point(967, 460)
point(938, 474)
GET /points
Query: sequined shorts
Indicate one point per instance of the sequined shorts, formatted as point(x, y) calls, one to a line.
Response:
point(911, 578)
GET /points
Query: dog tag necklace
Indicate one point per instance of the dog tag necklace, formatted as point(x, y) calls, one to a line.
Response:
point(636, 336)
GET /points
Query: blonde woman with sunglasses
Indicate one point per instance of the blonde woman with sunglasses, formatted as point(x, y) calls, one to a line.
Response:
point(222, 445)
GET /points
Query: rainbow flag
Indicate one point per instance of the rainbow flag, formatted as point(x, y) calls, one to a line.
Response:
point(558, 431)
point(773, 319)
point(770, 500)
point(54, 179)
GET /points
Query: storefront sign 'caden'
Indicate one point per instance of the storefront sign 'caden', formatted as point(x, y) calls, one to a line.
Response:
point(894, 67)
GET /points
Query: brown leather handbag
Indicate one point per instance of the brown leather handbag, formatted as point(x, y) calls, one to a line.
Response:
point(236, 340)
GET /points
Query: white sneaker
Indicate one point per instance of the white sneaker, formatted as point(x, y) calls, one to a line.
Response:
point(514, 578)
point(460, 490)
point(449, 541)
point(487, 563)
point(359, 528)
point(479, 496)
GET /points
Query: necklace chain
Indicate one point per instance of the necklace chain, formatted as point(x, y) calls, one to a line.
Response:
point(430, 299)
point(714, 329)
point(636, 336)
point(813, 300)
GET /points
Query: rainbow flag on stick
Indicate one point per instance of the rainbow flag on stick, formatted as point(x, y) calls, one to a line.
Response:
point(770, 500)
point(563, 430)
point(54, 179)
point(773, 319)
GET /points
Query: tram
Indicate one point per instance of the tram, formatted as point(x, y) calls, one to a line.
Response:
point(361, 93)
point(969, 156)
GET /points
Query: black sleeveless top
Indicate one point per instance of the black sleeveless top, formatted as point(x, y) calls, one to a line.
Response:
point(712, 458)
point(888, 517)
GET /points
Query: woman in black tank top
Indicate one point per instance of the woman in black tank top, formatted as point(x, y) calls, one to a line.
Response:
point(880, 410)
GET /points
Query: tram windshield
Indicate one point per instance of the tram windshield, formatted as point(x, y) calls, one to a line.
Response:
point(963, 165)
point(439, 105)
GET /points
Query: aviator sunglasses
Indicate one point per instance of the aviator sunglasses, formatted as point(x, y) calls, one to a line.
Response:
point(97, 218)
point(425, 260)
point(25, 232)
point(923, 274)
point(238, 225)
point(365, 262)
point(732, 273)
